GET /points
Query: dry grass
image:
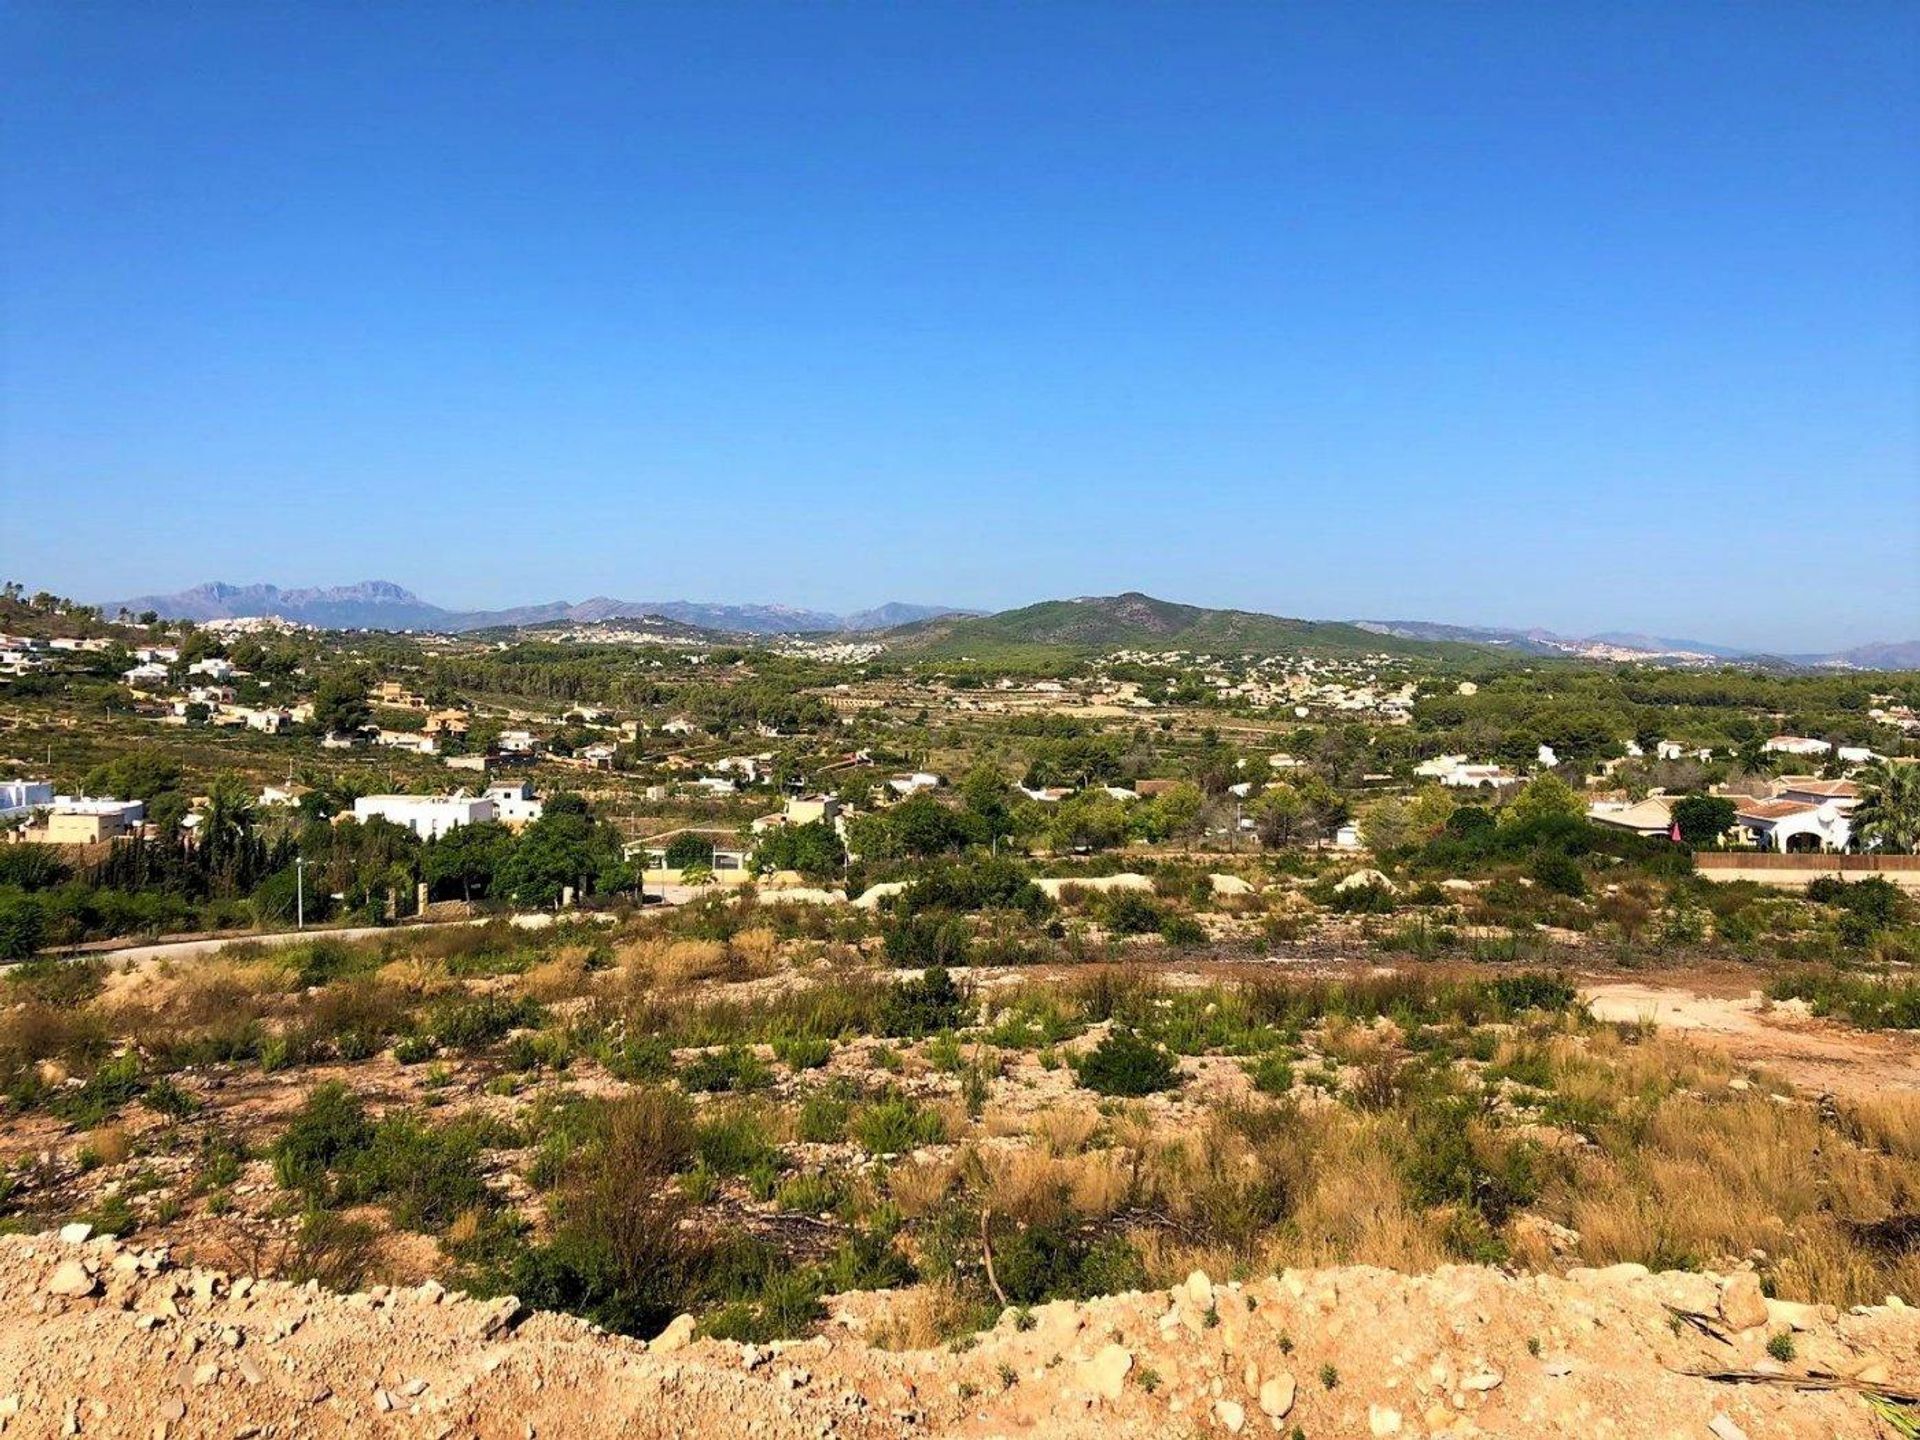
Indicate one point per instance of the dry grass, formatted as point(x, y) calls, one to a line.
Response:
point(563, 977)
point(923, 1317)
point(919, 1188)
point(1705, 1182)
point(1036, 1188)
point(1065, 1131)
point(108, 1145)
point(1889, 1123)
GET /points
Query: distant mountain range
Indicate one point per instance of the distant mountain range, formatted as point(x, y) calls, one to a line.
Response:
point(1094, 623)
point(383, 605)
point(1628, 645)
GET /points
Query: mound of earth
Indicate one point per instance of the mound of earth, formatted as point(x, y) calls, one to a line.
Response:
point(97, 1338)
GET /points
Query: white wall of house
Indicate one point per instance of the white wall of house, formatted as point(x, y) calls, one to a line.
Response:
point(428, 816)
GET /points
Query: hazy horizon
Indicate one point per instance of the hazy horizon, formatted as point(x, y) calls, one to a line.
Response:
point(1588, 318)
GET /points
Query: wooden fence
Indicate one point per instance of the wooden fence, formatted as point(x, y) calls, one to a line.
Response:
point(1764, 867)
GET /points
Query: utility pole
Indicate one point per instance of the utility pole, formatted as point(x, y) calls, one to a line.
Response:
point(299, 892)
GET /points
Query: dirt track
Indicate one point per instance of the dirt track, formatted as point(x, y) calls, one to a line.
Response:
point(1816, 1055)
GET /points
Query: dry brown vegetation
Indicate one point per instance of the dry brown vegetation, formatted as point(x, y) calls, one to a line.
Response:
point(635, 1123)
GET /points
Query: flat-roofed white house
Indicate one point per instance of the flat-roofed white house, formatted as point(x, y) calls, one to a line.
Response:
point(801, 810)
point(1478, 777)
point(1796, 745)
point(514, 802)
point(89, 819)
point(428, 816)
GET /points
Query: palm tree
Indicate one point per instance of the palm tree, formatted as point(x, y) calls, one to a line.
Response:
point(226, 829)
point(1888, 815)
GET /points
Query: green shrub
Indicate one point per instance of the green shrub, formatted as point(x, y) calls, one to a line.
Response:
point(735, 1141)
point(1871, 1002)
point(472, 1022)
point(802, 1052)
point(823, 1116)
point(1130, 912)
point(1126, 1063)
point(808, 1194)
point(329, 1128)
point(640, 1058)
point(426, 1174)
point(1271, 1075)
point(1533, 990)
point(787, 1304)
point(1557, 871)
point(896, 1125)
point(414, 1049)
point(928, 939)
point(114, 1084)
point(1183, 931)
point(1043, 1262)
point(735, 1069)
point(919, 1007)
point(23, 925)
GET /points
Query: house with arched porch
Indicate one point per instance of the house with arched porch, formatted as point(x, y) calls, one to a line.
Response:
point(1795, 826)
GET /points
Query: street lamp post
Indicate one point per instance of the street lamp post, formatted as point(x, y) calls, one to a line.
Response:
point(299, 892)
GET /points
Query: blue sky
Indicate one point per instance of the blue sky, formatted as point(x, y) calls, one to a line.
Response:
point(1591, 316)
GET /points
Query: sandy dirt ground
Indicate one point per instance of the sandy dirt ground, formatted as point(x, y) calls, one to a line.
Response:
point(1818, 1056)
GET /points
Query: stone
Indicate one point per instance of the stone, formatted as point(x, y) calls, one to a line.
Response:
point(1557, 1366)
point(206, 1374)
point(76, 1233)
point(70, 1277)
point(1742, 1305)
point(1276, 1396)
point(1231, 1414)
point(1200, 1288)
point(1382, 1421)
point(1723, 1427)
point(1796, 1316)
point(172, 1408)
point(1486, 1379)
point(677, 1335)
point(1106, 1373)
point(1624, 1273)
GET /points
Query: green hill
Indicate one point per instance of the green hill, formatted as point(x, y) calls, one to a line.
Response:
point(1102, 623)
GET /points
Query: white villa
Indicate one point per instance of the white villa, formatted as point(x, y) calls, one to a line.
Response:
point(428, 816)
point(1796, 745)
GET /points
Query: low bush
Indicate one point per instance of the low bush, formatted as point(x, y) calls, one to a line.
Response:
point(896, 1125)
point(919, 1007)
point(734, 1069)
point(1871, 1002)
point(1125, 1063)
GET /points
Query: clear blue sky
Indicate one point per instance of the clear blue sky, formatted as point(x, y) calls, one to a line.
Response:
point(1590, 316)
